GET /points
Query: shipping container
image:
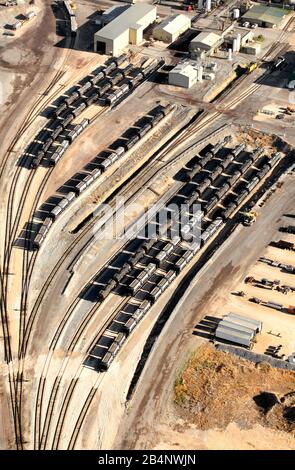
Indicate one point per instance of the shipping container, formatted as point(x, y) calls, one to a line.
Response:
point(232, 336)
point(237, 326)
point(256, 324)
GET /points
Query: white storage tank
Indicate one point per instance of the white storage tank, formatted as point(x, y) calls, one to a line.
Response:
point(235, 45)
point(230, 54)
point(236, 13)
point(208, 5)
point(238, 42)
point(200, 70)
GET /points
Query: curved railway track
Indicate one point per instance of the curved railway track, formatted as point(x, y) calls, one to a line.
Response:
point(78, 334)
point(28, 262)
point(192, 129)
point(10, 229)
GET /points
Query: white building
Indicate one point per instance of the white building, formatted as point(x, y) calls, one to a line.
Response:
point(126, 29)
point(110, 14)
point(184, 75)
point(204, 44)
point(171, 28)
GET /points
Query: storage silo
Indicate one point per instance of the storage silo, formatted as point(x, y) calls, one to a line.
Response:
point(235, 45)
point(238, 42)
point(200, 70)
point(236, 13)
point(208, 5)
point(230, 54)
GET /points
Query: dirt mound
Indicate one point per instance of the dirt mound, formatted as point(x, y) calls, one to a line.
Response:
point(216, 389)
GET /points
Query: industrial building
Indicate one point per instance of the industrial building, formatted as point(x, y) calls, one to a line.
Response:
point(265, 16)
point(110, 14)
point(242, 37)
point(171, 28)
point(204, 44)
point(126, 29)
point(238, 329)
point(185, 74)
point(253, 48)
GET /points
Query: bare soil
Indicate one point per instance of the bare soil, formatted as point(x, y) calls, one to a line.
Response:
point(216, 389)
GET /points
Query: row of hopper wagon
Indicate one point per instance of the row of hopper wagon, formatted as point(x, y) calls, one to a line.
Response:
point(101, 165)
point(235, 176)
point(54, 139)
point(206, 229)
point(145, 277)
point(157, 262)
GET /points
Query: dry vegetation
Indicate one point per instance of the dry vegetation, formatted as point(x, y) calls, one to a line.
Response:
point(215, 389)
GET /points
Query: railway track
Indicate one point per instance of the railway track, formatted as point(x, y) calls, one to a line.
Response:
point(85, 407)
point(15, 378)
point(70, 390)
point(86, 320)
point(27, 263)
point(82, 417)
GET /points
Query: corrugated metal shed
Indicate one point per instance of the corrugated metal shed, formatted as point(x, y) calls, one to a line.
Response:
point(252, 48)
point(233, 336)
point(133, 15)
point(235, 326)
point(241, 318)
point(206, 39)
point(171, 28)
point(263, 14)
point(184, 75)
point(126, 29)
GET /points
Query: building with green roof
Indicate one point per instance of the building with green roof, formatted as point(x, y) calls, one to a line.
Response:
point(265, 16)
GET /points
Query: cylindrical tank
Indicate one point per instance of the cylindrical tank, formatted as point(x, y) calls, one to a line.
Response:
point(208, 5)
point(236, 13)
point(238, 42)
point(235, 45)
point(200, 70)
point(230, 54)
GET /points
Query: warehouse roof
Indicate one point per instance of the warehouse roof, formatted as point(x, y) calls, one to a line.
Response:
point(265, 14)
point(174, 23)
point(209, 39)
point(128, 19)
point(185, 68)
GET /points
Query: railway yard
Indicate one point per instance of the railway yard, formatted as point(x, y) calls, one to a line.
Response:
point(148, 228)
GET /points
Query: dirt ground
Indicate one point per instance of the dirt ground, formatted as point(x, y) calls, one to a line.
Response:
point(217, 388)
